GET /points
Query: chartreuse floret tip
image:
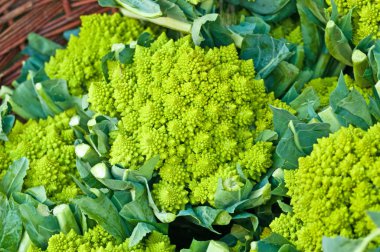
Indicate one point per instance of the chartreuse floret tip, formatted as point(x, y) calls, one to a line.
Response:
point(202, 106)
point(333, 188)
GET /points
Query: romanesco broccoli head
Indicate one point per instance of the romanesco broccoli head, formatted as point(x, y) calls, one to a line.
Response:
point(65, 242)
point(199, 109)
point(333, 188)
point(97, 239)
point(48, 144)
point(79, 63)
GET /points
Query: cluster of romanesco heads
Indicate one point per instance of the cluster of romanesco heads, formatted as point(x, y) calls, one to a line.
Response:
point(80, 63)
point(98, 239)
point(366, 15)
point(333, 188)
point(48, 145)
point(198, 109)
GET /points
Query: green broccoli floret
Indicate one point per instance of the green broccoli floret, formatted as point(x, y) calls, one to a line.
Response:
point(333, 188)
point(198, 109)
point(65, 242)
point(79, 63)
point(48, 144)
point(97, 239)
point(366, 17)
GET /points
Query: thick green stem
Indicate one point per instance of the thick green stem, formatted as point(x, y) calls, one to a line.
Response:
point(337, 70)
point(25, 243)
point(362, 73)
point(66, 219)
point(161, 21)
point(337, 43)
point(328, 116)
point(322, 62)
point(87, 153)
point(101, 171)
point(366, 241)
point(46, 98)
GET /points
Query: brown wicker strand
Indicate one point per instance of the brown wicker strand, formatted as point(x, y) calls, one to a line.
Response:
point(49, 18)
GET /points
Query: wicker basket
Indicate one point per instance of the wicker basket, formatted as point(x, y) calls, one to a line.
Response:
point(49, 18)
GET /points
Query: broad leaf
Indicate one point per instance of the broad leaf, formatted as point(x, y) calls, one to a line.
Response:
point(39, 227)
point(14, 178)
point(102, 210)
point(10, 225)
point(267, 53)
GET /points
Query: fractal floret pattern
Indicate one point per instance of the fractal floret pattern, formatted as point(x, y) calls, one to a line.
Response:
point(197, 109)
point(48, 145)
point(97, 239)
point(79, 63)
point(333, 188)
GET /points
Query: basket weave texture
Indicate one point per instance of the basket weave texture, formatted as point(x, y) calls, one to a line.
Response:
point(49, 18)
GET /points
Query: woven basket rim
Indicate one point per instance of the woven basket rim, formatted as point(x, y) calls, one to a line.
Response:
point(48, 18)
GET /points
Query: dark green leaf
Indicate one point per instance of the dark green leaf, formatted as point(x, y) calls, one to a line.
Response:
point(39, 227)
point(120, 198)
point(281, 119)
point(139, 232)
point(85, 174)
point(145, 39)
point(229, 200)
point(282, 78)
point(256, 198)
point(337, 44)
point(6, 119)
point(251, 25)
point(42, 45)
point(264, 7)
point(305, 135)
point(272, 243)
point(374, 108)
point(374, 59)
point(308, 97)
point(345, 24)
point(267, 136)
point(199, 246)
point(25, 102)
point(354, 110)
point(197, 26)
point(105, 213)
point(14, 178)
point(10, 225)
point(375, 216)
point(108, 57)
point(146, 170)
point(339, 93)
point(284, 207)
point(172, 10)
point(39, 193)
point(266, 52)
point(288, 151)
point(203, 216)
